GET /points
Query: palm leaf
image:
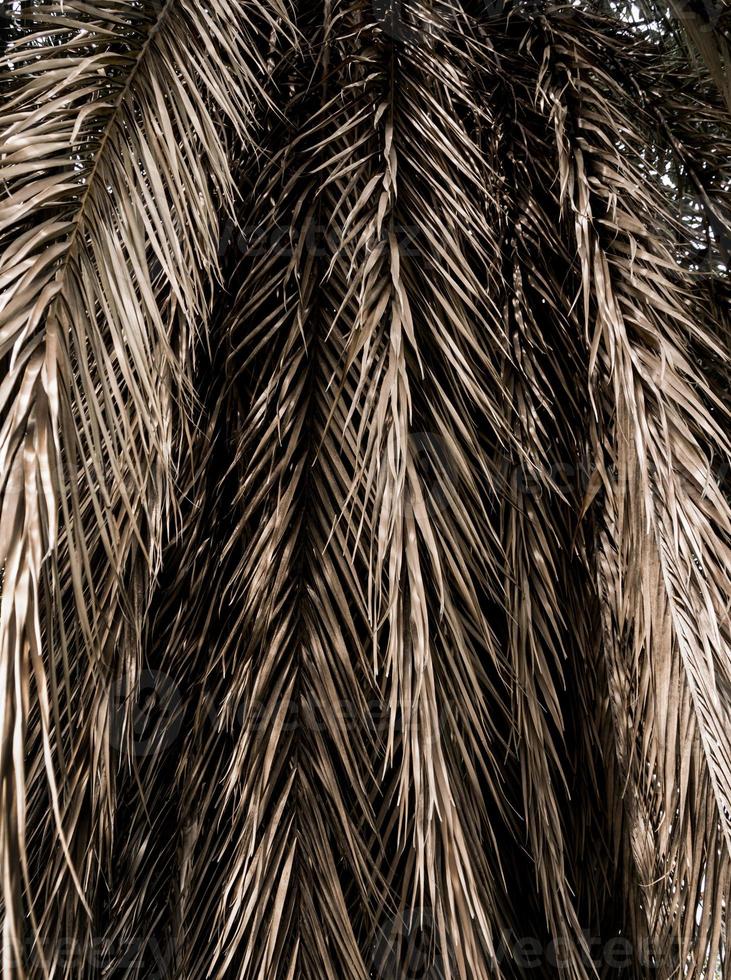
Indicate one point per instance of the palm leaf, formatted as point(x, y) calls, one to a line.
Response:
point(114, 160)
point(663, 565)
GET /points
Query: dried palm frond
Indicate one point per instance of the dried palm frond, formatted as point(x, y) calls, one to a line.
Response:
point(365, 530)
point(114, 164)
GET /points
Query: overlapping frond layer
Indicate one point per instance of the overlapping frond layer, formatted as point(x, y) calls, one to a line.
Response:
point(172, 712)
point(291, 723)
point(663, 545)
point(114, 161)
point(423, 336)
point(572, 786)
point(541, 500)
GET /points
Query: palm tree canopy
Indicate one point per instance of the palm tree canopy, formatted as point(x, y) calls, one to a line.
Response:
point(365, 528)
